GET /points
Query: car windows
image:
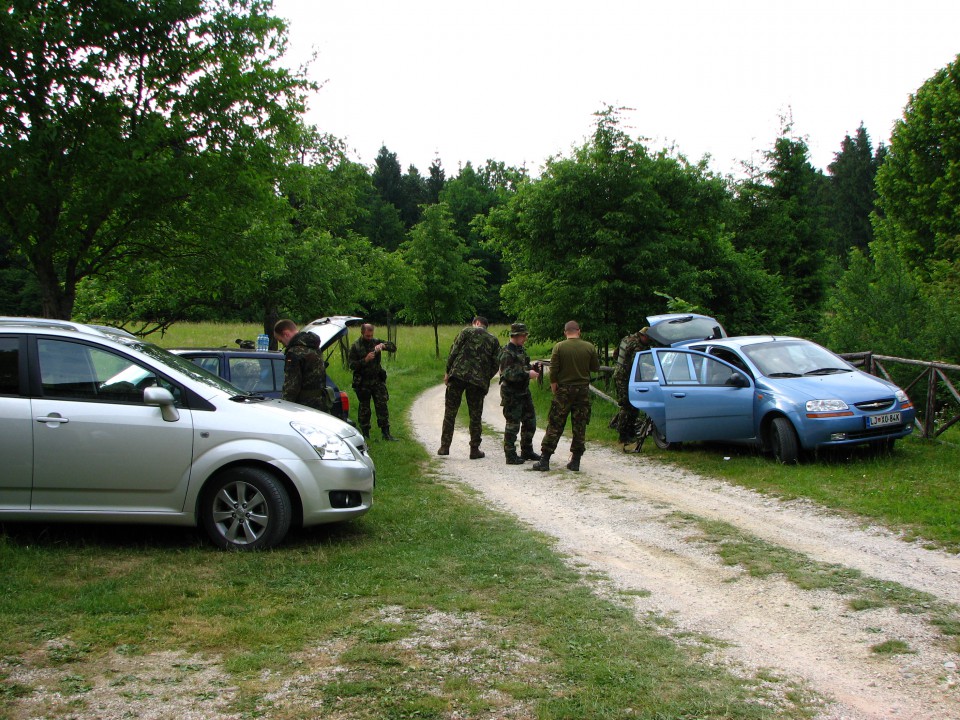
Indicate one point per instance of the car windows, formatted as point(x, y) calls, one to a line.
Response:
point(255, 374)
point(732, 358)
point(9, 366)
point(646, 369)
point(75, 371)
point(684, 368)
point(210, 364)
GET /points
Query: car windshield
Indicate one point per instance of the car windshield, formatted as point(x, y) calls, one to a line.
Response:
point(183, 366)
point(794, 358)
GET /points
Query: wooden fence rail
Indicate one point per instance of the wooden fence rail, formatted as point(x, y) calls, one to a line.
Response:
point(927, 382)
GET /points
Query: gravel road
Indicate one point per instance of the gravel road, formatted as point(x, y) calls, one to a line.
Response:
point(618, 516)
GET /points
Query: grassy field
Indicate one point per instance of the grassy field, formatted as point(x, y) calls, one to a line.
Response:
point(430, 606)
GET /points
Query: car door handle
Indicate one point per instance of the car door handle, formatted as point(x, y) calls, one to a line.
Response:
point(679, 394)
point(642, 389)
point(52, 419)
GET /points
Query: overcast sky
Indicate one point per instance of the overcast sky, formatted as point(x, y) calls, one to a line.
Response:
point(519, 80)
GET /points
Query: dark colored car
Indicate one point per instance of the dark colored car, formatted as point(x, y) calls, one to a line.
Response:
point(262, 372)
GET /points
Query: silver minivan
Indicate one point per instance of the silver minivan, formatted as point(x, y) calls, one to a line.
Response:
point(98, 425)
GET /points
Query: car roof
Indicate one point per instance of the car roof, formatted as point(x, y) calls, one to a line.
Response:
point(740, 341)
point(226, 350)
point(69, 325)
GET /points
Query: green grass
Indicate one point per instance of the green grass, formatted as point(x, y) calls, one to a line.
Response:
point(429, 605)
point(913, 490)
point(761, 559)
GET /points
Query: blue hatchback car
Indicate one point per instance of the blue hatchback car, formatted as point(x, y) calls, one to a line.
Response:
point(786, 394)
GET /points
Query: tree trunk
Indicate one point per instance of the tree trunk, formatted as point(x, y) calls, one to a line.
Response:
point(56, 302)
point(270, 317)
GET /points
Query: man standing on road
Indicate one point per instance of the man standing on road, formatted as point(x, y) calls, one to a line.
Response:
point(470, 366)
point(518, 410)
point(571, 363)
point(370, 380)
point(304, 370)
point(623, 355)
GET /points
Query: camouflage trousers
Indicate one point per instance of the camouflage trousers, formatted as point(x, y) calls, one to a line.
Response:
point(475, 395)
point(378, 393)
point(572, 400)
point(521, 418)
point(627, 417)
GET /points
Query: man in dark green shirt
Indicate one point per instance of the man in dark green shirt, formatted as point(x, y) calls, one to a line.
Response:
point(571, 363)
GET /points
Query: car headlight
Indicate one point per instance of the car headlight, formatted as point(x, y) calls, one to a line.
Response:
point(902, 397)
point(826, 406)
point(327, 445)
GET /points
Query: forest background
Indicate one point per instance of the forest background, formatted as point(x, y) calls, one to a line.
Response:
point(155, 167)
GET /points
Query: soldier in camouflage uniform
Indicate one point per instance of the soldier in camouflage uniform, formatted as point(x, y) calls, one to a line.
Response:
point(370, 380)
point(304, 369)
point(518, 410)
point(471, 365)
point(623, 355)
point(571, 363)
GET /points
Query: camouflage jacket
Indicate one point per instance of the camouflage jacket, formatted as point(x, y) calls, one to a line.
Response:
point(473, 356)
point(305, 372)
point(623, 356)
point(514, 369)
point(367, 373)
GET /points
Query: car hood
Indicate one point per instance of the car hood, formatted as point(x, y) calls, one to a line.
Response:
point(852, 387)
point(287, 412)
point(680, 328)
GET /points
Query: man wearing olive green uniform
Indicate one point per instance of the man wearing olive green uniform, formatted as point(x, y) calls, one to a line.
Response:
point(370, 380)
point(304, 369)
point(515, 398)
point(571, 363)
point(470, 367)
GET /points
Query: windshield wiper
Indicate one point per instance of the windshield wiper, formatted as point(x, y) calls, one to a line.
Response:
point(249, 397)
point(827, 371)
point(784, 374)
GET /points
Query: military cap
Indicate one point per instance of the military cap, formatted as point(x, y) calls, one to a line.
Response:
point(518, 329)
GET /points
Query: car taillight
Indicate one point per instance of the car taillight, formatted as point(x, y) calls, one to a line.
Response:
point(345, 403)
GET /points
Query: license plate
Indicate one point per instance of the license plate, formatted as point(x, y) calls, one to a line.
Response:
point(885, 419)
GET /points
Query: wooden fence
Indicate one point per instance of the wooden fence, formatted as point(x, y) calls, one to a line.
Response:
point(934, 415)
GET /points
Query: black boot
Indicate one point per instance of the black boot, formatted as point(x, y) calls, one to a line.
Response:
point(543, 463)
point(512, 457)
point(444, 450)
point(476, 453)
point(365, 431)
point(574, 463)
point(386, 434)
point(527, 453)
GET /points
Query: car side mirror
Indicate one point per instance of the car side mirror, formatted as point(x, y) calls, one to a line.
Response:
point(162, 398)
point(737, 380)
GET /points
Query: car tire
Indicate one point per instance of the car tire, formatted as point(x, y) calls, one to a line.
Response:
point(783, 441)
point(246, 508)
point(660, 440)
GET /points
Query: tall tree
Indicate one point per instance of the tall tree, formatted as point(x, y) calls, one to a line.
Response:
point(414, 195)
point(783, 213)
point(133, 130)
point(853, 192)
point(436, 179)
point(470, 197)
point(445, 283)
point(600, 235)
point(919, 182)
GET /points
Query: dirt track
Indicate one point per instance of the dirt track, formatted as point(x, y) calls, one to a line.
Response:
point(618, 516)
